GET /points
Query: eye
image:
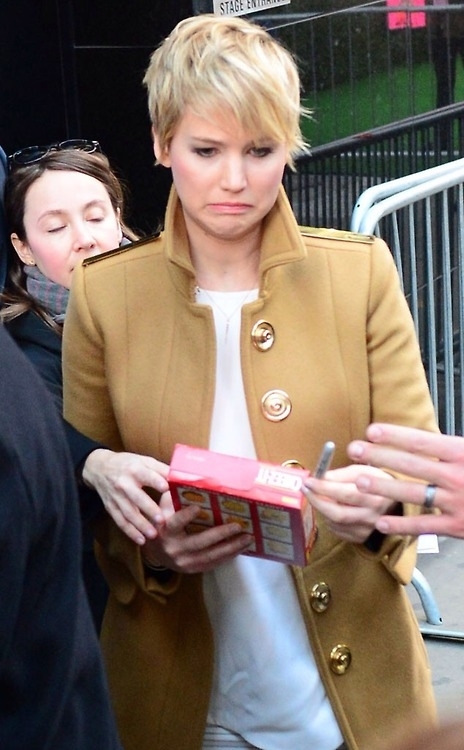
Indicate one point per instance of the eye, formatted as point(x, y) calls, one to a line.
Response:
point(205, 151)
point(53, 230)
point(261, 151)
point(95, 217)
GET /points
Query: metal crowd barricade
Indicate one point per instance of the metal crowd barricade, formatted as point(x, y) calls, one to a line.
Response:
point(328, 179)
point(421, 216)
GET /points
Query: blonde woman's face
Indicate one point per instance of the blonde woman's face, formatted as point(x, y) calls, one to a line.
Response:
point(227, 179)
point(68, 217)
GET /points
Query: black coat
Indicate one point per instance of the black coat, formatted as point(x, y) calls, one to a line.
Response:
point(42, 346)
point(53, 693)
point(4, 240)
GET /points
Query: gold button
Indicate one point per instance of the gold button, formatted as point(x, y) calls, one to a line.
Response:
point(320, 597)
point(292, 463)
point(276, 405)
point(340, 658)
point(262, 335)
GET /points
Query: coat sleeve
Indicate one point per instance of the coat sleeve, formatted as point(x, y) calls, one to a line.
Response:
point(399, 389)
point(86, 398)
point(88, 408)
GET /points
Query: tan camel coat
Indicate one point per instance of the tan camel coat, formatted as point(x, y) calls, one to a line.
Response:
point(139, 375)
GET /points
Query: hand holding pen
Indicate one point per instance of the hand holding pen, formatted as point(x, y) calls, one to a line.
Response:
point(349, 513)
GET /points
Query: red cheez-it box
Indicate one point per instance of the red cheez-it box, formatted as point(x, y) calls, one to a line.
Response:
point(265, 499)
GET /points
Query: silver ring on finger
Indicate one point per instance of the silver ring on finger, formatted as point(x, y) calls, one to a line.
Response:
point(430, 494)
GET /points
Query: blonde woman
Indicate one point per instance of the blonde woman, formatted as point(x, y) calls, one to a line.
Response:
point(238, 331)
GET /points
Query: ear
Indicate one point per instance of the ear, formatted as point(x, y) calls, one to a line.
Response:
point(22, 249)
point(161, 155)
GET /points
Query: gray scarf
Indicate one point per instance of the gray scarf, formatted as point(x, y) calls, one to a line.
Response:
point(52, 296)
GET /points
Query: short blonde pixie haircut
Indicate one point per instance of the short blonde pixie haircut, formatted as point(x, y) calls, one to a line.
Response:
point(216, 62)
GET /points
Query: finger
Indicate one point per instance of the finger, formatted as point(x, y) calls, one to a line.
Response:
point(397, 490)
point(214, 536)
point(339, 513)
point(443, 447)
point(147, 476)
point(137, 501)
point(399, 461)
point(193, 553)
point(155, 480)
point(414, 525)
point(336, 492)
point(177, 521)
point(223, 552)
point(133, 518)
point(133, 531)
point(158, 467)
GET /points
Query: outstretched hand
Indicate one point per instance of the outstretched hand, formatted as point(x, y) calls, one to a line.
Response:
point(428, 458)
point(119, 479)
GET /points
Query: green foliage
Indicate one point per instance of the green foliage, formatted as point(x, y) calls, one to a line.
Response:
point(335, 48)
point(374, 101)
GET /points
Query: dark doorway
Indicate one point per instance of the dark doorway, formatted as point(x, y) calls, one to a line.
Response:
point(74, 68)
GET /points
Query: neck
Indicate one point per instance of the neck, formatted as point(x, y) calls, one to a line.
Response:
point(226, 266)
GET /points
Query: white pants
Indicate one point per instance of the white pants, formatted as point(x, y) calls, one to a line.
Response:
point(217, 738)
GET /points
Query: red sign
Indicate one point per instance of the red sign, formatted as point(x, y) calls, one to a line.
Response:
point(402, 19)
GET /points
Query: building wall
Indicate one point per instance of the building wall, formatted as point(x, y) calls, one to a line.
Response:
point(73, 68)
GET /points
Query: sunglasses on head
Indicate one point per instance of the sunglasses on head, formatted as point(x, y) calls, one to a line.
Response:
point(33, 154)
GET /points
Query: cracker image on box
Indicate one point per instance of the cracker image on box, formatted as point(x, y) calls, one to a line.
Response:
point(264, 499)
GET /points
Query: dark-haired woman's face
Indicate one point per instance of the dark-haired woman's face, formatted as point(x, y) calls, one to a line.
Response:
point(68, 217)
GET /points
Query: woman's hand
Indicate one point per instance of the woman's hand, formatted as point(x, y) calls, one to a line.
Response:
point(429, 458)
point(350, 513)
point(195, 552)
point(119, 479)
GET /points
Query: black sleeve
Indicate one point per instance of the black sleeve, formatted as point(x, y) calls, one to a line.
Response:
point(48, 644)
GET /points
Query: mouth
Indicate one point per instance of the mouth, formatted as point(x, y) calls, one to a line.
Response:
point(230, 208)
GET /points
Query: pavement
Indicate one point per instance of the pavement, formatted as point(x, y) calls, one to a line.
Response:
point(444, 578)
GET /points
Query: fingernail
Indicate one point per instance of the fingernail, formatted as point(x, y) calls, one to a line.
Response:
point(374, 432)
point(356, 450)
point(383, 526)
point(363, 483)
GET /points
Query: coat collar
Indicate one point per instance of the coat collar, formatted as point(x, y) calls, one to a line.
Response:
point(282, 242)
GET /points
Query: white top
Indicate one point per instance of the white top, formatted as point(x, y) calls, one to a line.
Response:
point(266, 685)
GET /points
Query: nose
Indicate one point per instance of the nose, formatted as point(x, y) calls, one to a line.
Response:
point(82, 237)
point(234, 174)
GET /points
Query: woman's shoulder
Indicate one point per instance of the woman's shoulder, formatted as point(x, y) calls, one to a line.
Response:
point(30, 329)
point(132, 252)
point(348, 255)
point(337, 239)
point(345, 244)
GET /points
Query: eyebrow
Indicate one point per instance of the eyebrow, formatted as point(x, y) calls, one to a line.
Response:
point(214, 142)
point(204, 139)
